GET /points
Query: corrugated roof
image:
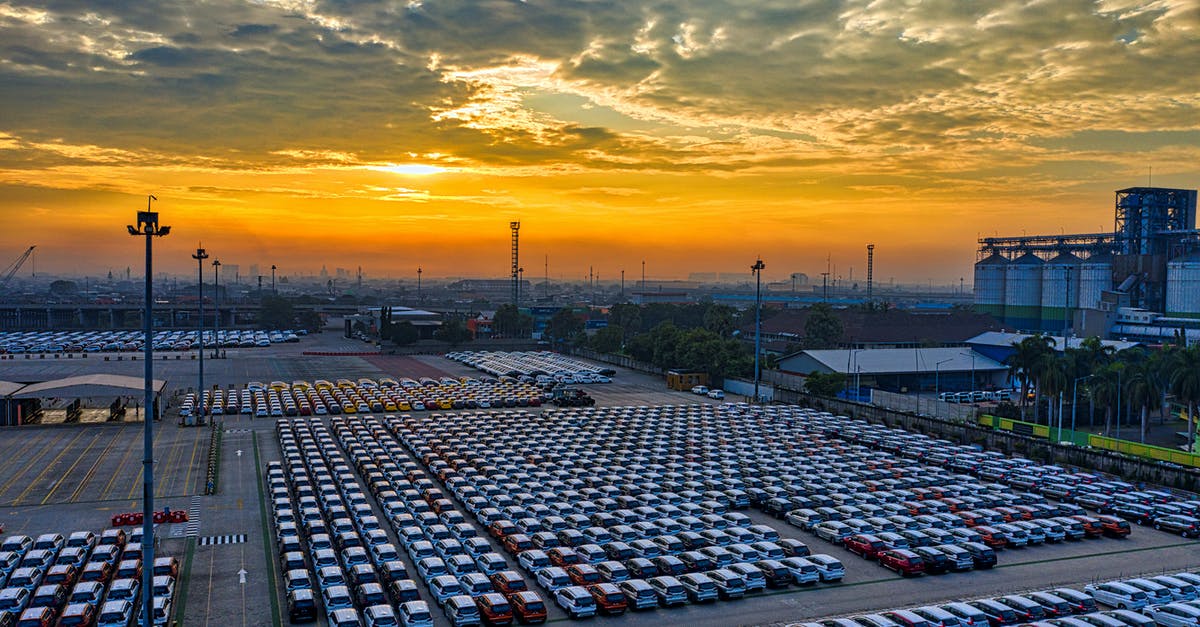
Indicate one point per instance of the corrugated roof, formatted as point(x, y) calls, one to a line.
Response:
point(8, 387)
point(87, 385)
point(904, 360)
point(1000, 338)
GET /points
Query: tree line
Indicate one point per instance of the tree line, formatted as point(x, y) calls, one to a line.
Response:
point(1135, 379)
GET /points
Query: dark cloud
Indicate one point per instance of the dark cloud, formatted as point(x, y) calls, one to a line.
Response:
point(702, 84)
point(252, 30)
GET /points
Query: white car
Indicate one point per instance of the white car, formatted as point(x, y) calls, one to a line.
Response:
point(700, 389)
point(1176, 615)
point(717, 394)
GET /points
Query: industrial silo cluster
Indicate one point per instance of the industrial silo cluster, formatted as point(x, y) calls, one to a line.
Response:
point(1055, 283)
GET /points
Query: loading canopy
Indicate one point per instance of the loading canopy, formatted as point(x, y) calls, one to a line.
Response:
point(88, 386)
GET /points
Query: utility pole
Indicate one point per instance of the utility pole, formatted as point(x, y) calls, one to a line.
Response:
point(273, 269)
point(622, 286)
point(418, 284)
point(643, 275)
point(825, 286)
point(516, 265)
point(870, 270)
point(757, 269)
point(217, 308)
point(147, 225)
point(200, 256)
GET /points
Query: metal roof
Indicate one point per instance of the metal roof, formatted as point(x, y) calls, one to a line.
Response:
point(8, 387)
point(87, 385)
point(1001, 338)
point(904, 360)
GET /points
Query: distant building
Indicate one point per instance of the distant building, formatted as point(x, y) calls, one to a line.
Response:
point(998, 345)
point(894, 328)
point(231, 272)
point(904, 370)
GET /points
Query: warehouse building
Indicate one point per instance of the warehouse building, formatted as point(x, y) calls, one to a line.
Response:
point(904, 370)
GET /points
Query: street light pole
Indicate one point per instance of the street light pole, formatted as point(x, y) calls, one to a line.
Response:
point(200, 256)
point(418, 284)
point(147, 226)
point(757, 269)
point(1074, 400)
point(937, 371)
point(273, 268)
point(217, 308)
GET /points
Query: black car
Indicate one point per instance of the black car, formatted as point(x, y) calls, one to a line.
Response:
point(302, 606)
point(1138, 514)
point(1185, 526)
point(776, 574)
point(984, 555)
point(936, 562)
point(1100, 503)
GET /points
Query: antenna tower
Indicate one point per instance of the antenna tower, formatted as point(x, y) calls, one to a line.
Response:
point(870, 268)
point(516, 266)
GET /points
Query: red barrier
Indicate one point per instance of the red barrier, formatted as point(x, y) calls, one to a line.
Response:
point(178, 516)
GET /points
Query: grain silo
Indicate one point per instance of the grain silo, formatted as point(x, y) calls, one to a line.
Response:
point(1060, 291)
point(1183, 286)
point(989, 285)
point(1095, 277)
point(1023, 292)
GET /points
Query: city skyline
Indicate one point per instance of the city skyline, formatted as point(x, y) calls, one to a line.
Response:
point(694, 137)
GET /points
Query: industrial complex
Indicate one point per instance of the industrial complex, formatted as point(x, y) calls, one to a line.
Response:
point(1141, 282)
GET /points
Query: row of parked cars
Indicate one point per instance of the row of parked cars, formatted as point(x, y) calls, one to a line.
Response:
point(595, 545)
point(1175, 512)
point(541, 367)
point(458, 569)
point(83, 579)
point(321, 398)
point(1159, 601)
point(19, 342)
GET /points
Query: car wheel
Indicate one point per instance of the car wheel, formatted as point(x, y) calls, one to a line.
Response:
point(1120, 606)
point(1139, 522)
point(1158, 526)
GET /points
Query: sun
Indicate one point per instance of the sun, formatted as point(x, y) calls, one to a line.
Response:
point(415, 169)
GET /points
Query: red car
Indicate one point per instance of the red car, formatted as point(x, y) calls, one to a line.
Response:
point(866, 545)
point(501, 529)
point(992, 537)
point(583, 574)
point(507, 582)
point(609, 598)
point(904, 562)
point(517, 542)
point(1092, 527)
point(528, 607)
point(1113, 526)
point(494, 609)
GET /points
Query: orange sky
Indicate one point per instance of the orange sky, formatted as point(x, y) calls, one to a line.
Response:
point(694, 138)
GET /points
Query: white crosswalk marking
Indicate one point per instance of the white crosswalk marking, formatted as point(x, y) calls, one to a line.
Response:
point(232, 538)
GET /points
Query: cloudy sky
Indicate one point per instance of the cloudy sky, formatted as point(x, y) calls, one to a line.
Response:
point(691, 135)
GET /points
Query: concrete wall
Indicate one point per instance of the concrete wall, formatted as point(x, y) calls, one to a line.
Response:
point(1127, 467)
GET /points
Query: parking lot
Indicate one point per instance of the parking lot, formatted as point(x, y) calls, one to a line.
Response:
point(78, 475)
point(96, 462)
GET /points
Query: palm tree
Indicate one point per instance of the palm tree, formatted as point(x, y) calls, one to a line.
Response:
point(1185, 385)
point(1024, 361)
point(1142, 389)
point(1091, 357)
point(1105, 387)
point(1054, 371)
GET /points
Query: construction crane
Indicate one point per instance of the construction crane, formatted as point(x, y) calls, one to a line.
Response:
point(16, 265)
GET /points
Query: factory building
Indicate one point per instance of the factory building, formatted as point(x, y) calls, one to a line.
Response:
point(1077, 284)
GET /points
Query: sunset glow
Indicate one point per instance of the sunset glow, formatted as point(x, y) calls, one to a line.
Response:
point(692, 136)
